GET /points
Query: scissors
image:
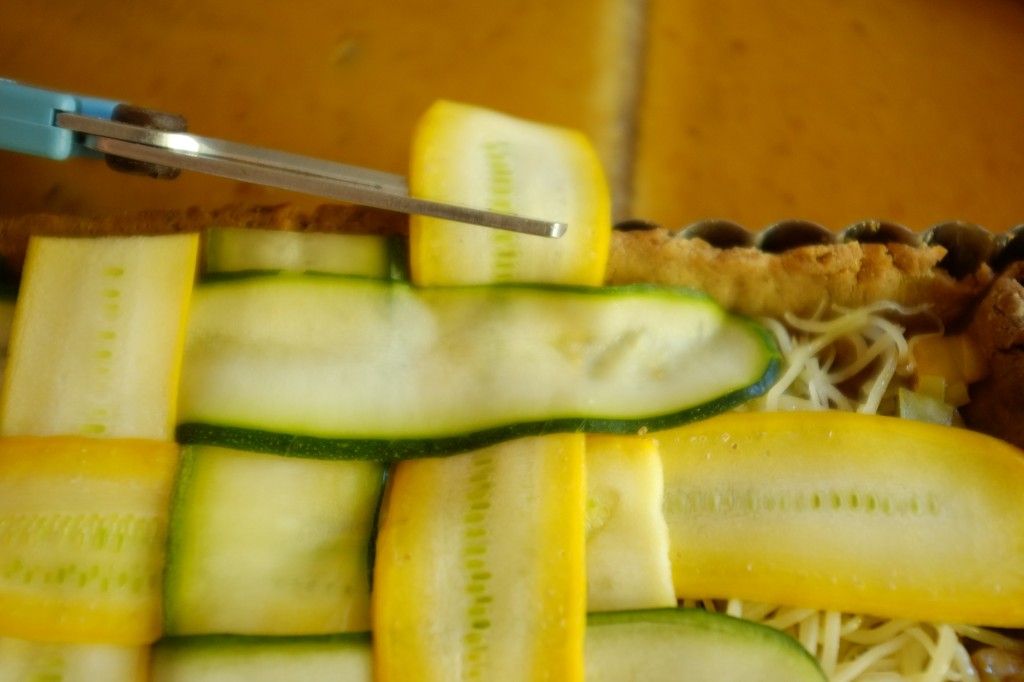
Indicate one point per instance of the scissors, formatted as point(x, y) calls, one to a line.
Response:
point(59, 125)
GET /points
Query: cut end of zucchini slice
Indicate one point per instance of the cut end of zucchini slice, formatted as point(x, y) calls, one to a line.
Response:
point(663, 644)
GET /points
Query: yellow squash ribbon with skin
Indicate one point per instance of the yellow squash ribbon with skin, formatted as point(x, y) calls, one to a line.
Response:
point(82, 531)
point(97, 337)
point(484, 159)
point(479, 566)
point(88, 458)
point(847, 512)
point(526, 517)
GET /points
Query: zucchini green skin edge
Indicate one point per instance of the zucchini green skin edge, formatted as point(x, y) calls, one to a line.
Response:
point(179, 493)
point(390, 450)
point(219, 642)
point(728, 639)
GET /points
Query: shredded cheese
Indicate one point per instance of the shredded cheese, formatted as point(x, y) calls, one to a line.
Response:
point(823, 358)
point(856, 360)
point(859, 648)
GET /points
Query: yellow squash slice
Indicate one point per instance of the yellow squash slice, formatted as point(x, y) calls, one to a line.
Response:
point(479, 568)
point(848, 512)
point(483, 159)
point(83, 525)
point(97, 337)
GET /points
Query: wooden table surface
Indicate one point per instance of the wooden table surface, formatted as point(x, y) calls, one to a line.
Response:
point(750, 111)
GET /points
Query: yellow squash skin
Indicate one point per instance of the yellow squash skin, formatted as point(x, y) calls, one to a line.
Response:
point(847, 512)
point(480, 566)
point(82, 530)
point(484, 159)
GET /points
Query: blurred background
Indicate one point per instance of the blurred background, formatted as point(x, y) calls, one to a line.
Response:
point(833, 111)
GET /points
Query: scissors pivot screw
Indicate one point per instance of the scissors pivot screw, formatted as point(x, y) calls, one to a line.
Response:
point(152, 120)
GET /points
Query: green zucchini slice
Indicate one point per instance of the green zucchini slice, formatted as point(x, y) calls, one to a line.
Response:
point(336, 367)
point(693, 645)
point(267, 545)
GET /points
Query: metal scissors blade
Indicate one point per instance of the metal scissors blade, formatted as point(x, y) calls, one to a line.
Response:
point(287, 171)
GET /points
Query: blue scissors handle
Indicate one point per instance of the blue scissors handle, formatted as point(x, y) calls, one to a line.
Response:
point(28, 120)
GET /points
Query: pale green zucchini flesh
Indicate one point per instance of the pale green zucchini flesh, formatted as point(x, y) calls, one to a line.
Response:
point(268, 545)
point(665, 645)
point(340, 367)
